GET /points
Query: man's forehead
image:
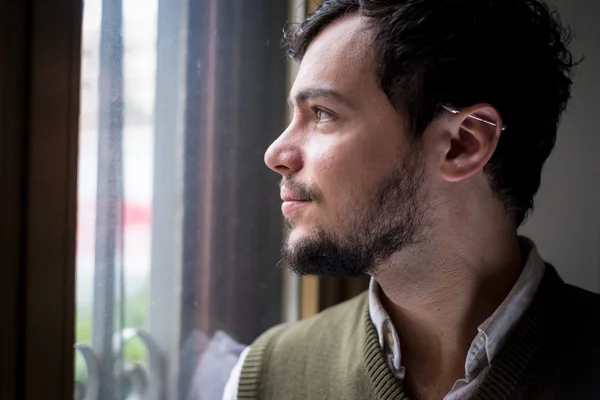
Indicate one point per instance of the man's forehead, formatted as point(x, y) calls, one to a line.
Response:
point(339, 57)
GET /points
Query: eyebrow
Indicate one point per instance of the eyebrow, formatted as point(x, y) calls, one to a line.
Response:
point(316, 92)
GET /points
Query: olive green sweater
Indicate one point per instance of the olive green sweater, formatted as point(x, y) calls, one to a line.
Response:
point(553, 353)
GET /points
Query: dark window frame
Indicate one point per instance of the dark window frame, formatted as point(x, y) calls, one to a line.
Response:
point(39, 101)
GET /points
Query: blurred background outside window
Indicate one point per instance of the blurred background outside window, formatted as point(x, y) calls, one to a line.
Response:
point(179, 227)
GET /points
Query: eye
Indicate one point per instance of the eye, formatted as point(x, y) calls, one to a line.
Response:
point(322, 115)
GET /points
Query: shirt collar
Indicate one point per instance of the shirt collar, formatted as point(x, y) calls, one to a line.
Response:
point(498, 326)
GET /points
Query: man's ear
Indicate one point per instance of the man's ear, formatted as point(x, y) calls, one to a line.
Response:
point(473, 137)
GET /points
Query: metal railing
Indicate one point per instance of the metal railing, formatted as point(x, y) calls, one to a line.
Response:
point(134, 381)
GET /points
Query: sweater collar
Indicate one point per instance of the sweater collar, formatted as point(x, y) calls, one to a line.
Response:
point(508, 372)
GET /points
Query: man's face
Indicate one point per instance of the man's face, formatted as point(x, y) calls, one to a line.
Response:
point(352, 183)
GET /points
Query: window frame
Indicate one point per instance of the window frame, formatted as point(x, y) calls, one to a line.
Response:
point(13, 31)
point(39, 127)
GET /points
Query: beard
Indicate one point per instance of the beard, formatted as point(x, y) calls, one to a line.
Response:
point(394, 219)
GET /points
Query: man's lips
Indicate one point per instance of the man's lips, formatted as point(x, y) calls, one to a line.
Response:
point(292, 201)
point(289, 196)
point(290, 207)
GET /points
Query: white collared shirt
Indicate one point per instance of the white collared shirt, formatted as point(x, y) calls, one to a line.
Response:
point(490, 337)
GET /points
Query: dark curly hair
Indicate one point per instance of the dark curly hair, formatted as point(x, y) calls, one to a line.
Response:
point(512, 54)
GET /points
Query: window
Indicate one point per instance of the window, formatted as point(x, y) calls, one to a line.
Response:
point(178, 221)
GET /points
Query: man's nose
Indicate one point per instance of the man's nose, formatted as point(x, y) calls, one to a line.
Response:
point(284, 156)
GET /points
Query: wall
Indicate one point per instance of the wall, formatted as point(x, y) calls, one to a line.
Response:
point(566, 221)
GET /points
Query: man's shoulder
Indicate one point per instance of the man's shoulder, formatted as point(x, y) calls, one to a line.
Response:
point(349, 309)
point(569, 304)
point(567, 366)
point(582, 299)
point(333, 321)
point(301, 359)
point(582, 309)
point(573, 310)
point(575, 329)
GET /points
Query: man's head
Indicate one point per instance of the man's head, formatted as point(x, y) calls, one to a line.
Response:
point(371, 149)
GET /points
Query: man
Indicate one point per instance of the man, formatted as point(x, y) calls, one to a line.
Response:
point(419, 132)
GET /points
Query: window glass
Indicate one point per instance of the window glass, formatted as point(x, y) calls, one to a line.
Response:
point(179, 225)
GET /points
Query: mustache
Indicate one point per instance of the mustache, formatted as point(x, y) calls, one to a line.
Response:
point(311, 193)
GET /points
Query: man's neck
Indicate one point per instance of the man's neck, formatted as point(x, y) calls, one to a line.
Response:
point(437, 313)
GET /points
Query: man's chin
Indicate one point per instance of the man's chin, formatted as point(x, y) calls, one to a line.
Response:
point(298, 234)
point(314, 253)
